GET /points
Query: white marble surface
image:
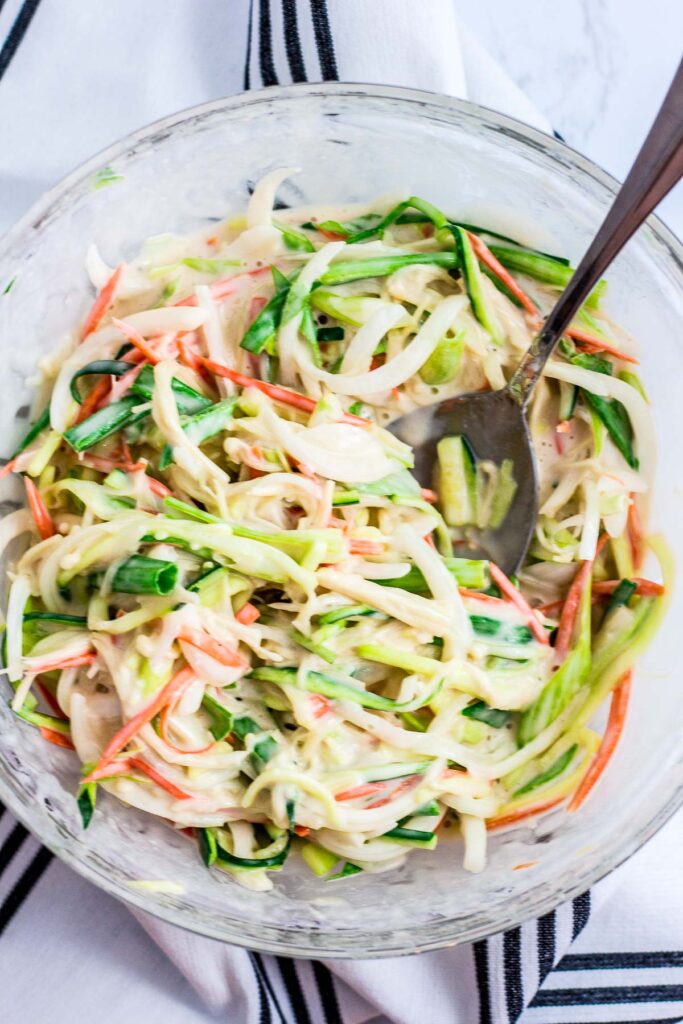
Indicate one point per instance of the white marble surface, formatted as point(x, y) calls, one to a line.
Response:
point(598, 69)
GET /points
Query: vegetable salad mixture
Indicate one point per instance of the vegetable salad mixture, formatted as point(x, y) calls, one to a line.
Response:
point(239, 607)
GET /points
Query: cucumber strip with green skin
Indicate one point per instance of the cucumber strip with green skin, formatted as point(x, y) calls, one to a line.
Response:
point(272, 861)
point(293, 239)
point(555, 769)
point(473, 283)
point(503, 632)
point(615, 418)
point(411, 837)
point(42, 721)
point(457, 480)
point(311, 645)
point(262, 752)
point(387, 772)
point(264, 328)
point(469, 573)
point(187, 400)
point(85, 799)
point(622, 595)
point(202, 426)
point(108, 367)
point(428, 810)
point(382, 266)
point(319, 860)
point(142, 575)
point(347, 612)
point(77, 621)
point(345, 498)
point(429, 211)
point(569, 394)
point(331, 334)
point(334, 689)
point(221, 718)
point(208, 266)
point(41, 424)
point(547, 269)
point(504, 494)
point(308, 331)
point(346, 872)
point(208, 847)
point(104, 423)
point(476, 230)
point(414, 723)
point(481, 712)
point(398, 658)
point(244, 725)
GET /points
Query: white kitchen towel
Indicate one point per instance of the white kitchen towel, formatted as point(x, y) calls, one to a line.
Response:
point(74, 76)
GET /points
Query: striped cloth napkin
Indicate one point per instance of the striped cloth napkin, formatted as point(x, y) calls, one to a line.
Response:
point(612, 955)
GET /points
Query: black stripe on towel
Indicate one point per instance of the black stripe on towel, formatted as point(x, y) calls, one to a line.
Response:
point(295, 57)
point(268, 73)
point(620, 961)
point(581, 909)
point(17, 33)
point(547, 927)
point(23, 886)
point(328, 997)
point(612, 994)
point(512, 971)
point(323, 40)
point(295, 992)
point(269, 986)
point(481, 970)
point(264, 1016)
point(11, 844)
point(247, 75)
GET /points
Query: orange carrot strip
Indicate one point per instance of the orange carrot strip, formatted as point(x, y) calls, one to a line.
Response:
point(168, 693)
point(428, 495)
point(366, 789)
point(403, 786)
point(51, 701)
point(221, 289)
point(8, 468)
point(101, 304)
point(247, 614)
point(321, 705)
point(41, 516)
point(570, 610)
point(476, 596)
point(593, 344)
point(486, 256)
point(527, 812)
point(364, 546)
point(103, 465)
point(156, 487)
point(301, 830)
point(518, 599)
point(644, 588)
point(94, 399)
point(613, 731)
point(635, 533)
point(57, 738)
point(59, 663)
point(136, 339)
point(274, 391)
point(155, 776)
point(214, 648)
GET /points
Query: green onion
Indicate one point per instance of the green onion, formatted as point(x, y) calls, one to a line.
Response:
point(42, 721)
point(221, 718)
point(57, 617)
point(202, 426)
point(142, 575)
point(481, 712)
point(548, 269)
point(469, 573)
point(382, 266)
point(244, 725)
point(347, 612)
point(331, 334)
point(346, 872)
point(308, 644)
point(85, 799)
point(41, 424)
point(412, 837)
point(293, 239)
point(622, 595)
point(262, 752)
point(335, 689)
point(264, 328)
point(503, 632)
point(186, 398)
point(473, 283)
point(555, 769)
point(208, 266)
point(110, 367)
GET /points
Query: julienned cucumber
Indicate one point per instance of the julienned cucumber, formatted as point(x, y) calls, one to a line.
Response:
point(457, 480)
point(412, 837)
point(469, 264)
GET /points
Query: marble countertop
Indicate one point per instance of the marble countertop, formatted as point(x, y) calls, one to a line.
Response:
point(598, 69)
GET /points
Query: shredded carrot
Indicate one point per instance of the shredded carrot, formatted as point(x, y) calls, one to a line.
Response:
point(476, 596)
point(155, 776)
point(41, 516)
point(483, 253)
point(214, 648)
point(156, 487)
point(57, 738)
point(570, 610)
point(593, 344)
point(94, 399)
point(644, 588)
point(301, 830)
point(333, 236)
point(366, 789)
point(527, 812)
point(321, 705)
point(635, 533)
point(136, 339)
point(101, 304)
point(247, 614)
point(57, 664)
point(517, 598)
point(120, 386)
point(8, 468)
point(51, 701)
point(428, 495)
point(103, 465)
point(221, 289)
point(275, 391)
point(256, 306)
point(610, 740)
point(364, 546)
point(403, 786)
point(167, 694)
point(524, 865)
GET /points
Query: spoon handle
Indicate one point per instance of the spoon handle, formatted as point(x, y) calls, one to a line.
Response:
point(657, 168)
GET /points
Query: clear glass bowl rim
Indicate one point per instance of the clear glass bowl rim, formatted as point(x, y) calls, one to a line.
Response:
point(446, 932)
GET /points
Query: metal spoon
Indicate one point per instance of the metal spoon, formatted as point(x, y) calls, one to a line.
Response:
point(494, 422)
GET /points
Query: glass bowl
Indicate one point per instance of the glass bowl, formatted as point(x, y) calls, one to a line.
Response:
point(351, 142)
